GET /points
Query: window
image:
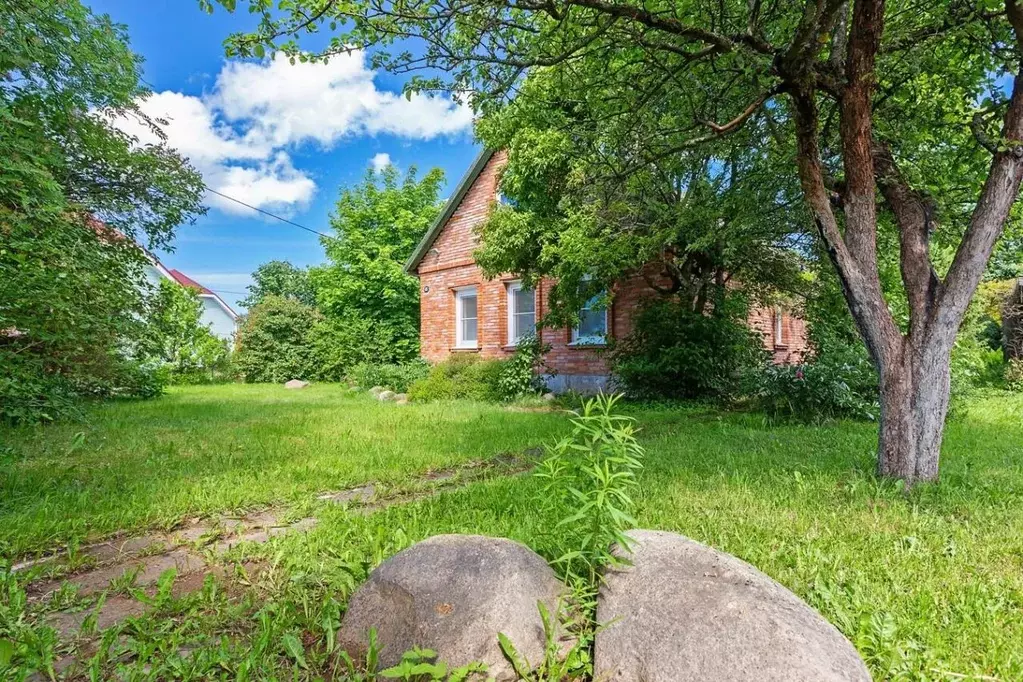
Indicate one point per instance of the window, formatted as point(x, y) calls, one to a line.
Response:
point(521, 313)
point(592, 327)
point(779, 328)
point(466, 319)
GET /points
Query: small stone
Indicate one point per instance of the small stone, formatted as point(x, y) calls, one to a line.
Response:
point(401, 401)
point(401, 397)
point(296, 383)
point(454, 594)
point(548, 397)
point(685, 611)
point(386, 395)
point(376, 391)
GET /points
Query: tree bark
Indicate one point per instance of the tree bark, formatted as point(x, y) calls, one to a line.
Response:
point(914, 399)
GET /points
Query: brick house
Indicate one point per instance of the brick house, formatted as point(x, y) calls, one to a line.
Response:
point(462, 312)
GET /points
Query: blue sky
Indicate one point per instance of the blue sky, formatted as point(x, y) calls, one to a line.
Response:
point(280, 137)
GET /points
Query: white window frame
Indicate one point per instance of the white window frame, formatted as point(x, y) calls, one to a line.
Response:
point(600, 340)
point(513, 289)
point(779, 328)
point(460, 340)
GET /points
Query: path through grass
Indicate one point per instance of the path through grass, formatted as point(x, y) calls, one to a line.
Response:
point(207, 449)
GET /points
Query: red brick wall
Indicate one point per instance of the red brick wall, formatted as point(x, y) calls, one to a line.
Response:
point(449, 265)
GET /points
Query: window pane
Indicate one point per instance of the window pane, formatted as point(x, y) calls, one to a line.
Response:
point(469, 306)
point(469, 329)
point(592, 323)
point(525, 324)
point(524, 301)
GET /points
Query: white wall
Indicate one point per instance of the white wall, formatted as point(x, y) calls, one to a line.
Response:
point(220, 323)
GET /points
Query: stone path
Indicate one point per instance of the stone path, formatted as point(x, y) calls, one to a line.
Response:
point(195, 550)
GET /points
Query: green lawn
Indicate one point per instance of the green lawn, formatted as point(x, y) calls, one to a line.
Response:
point(134, 464)
point(928, 586)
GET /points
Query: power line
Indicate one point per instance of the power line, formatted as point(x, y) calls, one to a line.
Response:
point(267, 213)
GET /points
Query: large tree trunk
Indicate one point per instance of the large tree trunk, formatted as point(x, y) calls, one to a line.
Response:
point(914, 398)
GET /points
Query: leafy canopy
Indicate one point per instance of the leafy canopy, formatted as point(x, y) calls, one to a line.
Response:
point(280, 278)
point(377, 225)
point(75, 194)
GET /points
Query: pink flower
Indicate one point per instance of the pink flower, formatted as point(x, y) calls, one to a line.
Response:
point(799, 373)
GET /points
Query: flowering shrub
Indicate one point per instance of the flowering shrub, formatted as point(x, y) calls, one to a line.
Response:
point(830, 387)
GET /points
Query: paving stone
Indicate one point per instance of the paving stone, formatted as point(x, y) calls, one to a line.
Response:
point(113, 611)
point(361, 494)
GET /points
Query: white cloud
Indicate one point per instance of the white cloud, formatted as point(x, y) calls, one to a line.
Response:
point(238, 135)
point(380, 161)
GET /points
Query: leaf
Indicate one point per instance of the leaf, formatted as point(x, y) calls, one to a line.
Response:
point(518, 663)
point(6, 652)
point(294, 648)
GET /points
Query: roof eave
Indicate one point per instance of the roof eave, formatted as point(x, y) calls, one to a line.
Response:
point(412, 264)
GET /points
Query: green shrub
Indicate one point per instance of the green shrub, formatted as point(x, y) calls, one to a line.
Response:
point(275, 341)
point(462, 376)
point(832, 386)
point(397, 377)
point(342, 343)
point(524, 373)
point(674, 352)
point(1014, 375)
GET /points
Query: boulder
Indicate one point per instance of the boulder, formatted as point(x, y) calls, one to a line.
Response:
point(386, 395)
point(376, 390)
point(684, 611)
point(401, 399)
point(296, 383)
point(454, 594)
point(548, 397)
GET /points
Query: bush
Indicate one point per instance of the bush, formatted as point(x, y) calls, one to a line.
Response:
point(461, 376)
point(832, 386)
point(524, 373)
point(1014, 375)
point(342, 343)
point(674, 352)
point(397, 377)
point(275, 341)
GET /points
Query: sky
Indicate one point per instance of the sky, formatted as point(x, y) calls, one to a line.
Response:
point(281, 137)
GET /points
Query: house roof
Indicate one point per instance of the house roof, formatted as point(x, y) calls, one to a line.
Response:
point(186, 281)
point(449, 208)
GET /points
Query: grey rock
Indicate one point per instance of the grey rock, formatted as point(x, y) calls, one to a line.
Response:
point(376, 390)
point(296, 383)
point(386, 395)
point(548, 397)
point(401, 398)
point(454, 594)
point(684, 611)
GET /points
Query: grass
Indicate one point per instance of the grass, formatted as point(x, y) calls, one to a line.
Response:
point(928, 586)
point(198, 450)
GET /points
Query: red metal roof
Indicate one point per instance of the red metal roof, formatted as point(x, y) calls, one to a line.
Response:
point(186, 281)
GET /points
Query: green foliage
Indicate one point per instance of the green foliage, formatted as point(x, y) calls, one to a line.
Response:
point(1014, 375)
point(397, 377)
point(341, 343)
point(71, 288)
point(275, 341)
point(674, 352)
point(371, 303)
point(177, 337)
point(462, 376)
point(592, 472)
point(524, 373)
point(557, 664)
point(280, 278)
point(831, 386)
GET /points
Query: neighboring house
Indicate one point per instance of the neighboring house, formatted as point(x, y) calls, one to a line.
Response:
point(463, 312)
point(222, 321)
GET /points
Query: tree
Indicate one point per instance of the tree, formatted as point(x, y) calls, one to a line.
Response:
point(378, 224)
point(75, 195)
point(275, 341)
point(280, 278)
point(906, 116)
point(177, 337)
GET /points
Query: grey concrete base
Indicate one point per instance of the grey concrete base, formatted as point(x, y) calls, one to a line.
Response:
point(581, 383)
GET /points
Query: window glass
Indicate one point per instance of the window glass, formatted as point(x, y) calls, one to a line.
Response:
point(592, 327)
point(521, 312)
point(467, 318)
